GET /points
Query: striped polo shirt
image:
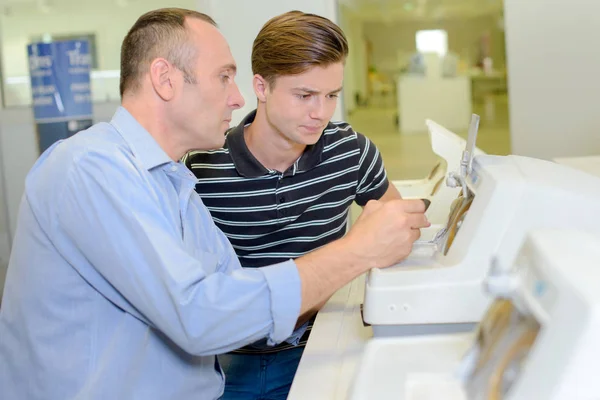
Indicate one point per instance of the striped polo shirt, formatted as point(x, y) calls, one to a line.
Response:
point(271, 216)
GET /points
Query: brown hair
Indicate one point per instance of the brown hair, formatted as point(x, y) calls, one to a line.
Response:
point(291, 43)
point(158, 33)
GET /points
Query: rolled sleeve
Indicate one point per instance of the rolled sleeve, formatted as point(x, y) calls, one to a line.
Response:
point(284, 284)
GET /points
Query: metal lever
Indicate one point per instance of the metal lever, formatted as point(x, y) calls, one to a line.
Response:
point(466, 163)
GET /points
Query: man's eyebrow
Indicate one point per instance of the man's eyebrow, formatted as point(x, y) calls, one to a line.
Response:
point(231, 67)
point(313, 91)
point(306, 89)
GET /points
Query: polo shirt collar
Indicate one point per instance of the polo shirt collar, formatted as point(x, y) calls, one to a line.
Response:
point(248, 166)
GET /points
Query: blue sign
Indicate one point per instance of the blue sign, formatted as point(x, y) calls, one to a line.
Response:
point(60, 81)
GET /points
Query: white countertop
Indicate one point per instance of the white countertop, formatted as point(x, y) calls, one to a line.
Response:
point(334, 348)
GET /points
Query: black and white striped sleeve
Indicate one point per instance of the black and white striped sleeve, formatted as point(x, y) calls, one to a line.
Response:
point(372, 178)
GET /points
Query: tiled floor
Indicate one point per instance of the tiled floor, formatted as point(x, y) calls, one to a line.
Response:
point(410, 156)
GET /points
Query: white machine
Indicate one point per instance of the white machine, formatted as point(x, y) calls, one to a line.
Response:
point(539, 339)
point(589, 164)
point(449, 147)
point(438, 287)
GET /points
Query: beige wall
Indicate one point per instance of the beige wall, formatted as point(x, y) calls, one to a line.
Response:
point(355, 72)
point(388, 39)
point(106, 20)
point(553, 77)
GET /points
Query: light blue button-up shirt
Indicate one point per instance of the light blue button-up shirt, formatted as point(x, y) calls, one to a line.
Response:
point(119, 284)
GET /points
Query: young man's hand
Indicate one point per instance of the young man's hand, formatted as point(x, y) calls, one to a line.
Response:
point(384, 233)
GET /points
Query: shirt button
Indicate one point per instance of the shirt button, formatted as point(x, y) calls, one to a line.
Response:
point(282, 199)
point(173, 168)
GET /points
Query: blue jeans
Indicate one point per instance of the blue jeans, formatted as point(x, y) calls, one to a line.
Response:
point(259, 376)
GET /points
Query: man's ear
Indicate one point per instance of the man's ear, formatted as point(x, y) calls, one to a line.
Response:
point(163, 76)
point(261, 88)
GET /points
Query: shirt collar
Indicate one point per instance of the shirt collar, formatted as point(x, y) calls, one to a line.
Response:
point(248, 166)
point(143, 145)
